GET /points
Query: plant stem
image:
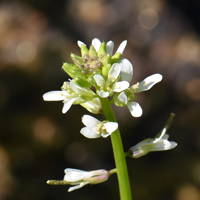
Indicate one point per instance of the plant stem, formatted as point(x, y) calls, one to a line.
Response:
point(118, 151)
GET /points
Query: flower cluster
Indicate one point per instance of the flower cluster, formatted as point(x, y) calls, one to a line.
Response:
point(107, 73)
point(96, 75)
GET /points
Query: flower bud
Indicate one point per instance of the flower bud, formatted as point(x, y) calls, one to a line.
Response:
point(102, 49)
point(105, 70)
point(84, 50)
point(92, 52)
point(72, 70)
point(116, 57)
point(76, 59)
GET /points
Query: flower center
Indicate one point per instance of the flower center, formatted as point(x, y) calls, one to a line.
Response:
point(100, 128)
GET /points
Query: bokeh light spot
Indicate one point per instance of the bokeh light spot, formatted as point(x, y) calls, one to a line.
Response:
point(148, 18)
point(26, 51)
point(193, 89)
point(44, 130)
point(188, 192)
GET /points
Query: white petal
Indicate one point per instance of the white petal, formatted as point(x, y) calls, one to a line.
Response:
point(96, 43)
point(99, 80)
point(80, 43)
point(114, 71)
point(109, 47)
point(126, 70)
point(103, 94)
point(67, 105)
point(163, 145)
point(90, 121)
point(122, 47)
point(135, 109)
point(120, 86)
point(165, 136)
point(148, 82)
point(111, 126)
point(73, 86)
point(74, 175)
point(78, 186)
point(90, 132)
point(77, 89)
point(122, 97)
point(54, 96)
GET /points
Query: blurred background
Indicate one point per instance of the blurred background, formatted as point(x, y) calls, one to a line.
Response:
point(37, 142)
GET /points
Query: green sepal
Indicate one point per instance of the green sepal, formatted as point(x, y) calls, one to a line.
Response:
point(92, 52)
point(102, 49)
point(86, 98)
point(116, 58)
point(82, 82)
point(72, 70)
point(105, 59)
point(105, 70)
point(77, 59)
point(84, 50)
point(117, 101)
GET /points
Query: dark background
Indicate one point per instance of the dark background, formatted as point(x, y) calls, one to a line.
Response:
point(37, 142)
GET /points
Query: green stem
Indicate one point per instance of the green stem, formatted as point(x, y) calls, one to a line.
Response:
point(118, 151)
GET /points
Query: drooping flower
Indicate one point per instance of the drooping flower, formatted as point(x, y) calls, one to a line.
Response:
point(159, 143)
point(70, 94)
point(126, 97)
point(95, 128)
point(80, 178)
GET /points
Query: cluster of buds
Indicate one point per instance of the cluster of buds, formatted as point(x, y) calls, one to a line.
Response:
point(95, 75)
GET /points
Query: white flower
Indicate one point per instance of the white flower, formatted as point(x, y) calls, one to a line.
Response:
point(80, 178)
point(70, 94)
point(95, 129)
point(109, 45)
point(108, 86)
point(126, 97)
point(159, 143)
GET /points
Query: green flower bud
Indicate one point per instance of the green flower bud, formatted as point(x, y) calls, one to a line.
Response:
point(105, 59)
point(77, 59)
point(72, 70)
point(84, 50)
point(105, 70)
point(116, 58)
point(102, 49)
point(92, 52)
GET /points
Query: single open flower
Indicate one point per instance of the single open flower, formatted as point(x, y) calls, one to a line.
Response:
point(126, 97)
point(70, 94)
point(159, 143)
point(80, 178)
point(95, 128)
point(110, 85)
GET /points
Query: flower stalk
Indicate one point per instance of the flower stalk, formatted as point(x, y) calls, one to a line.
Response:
point(118, 151)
